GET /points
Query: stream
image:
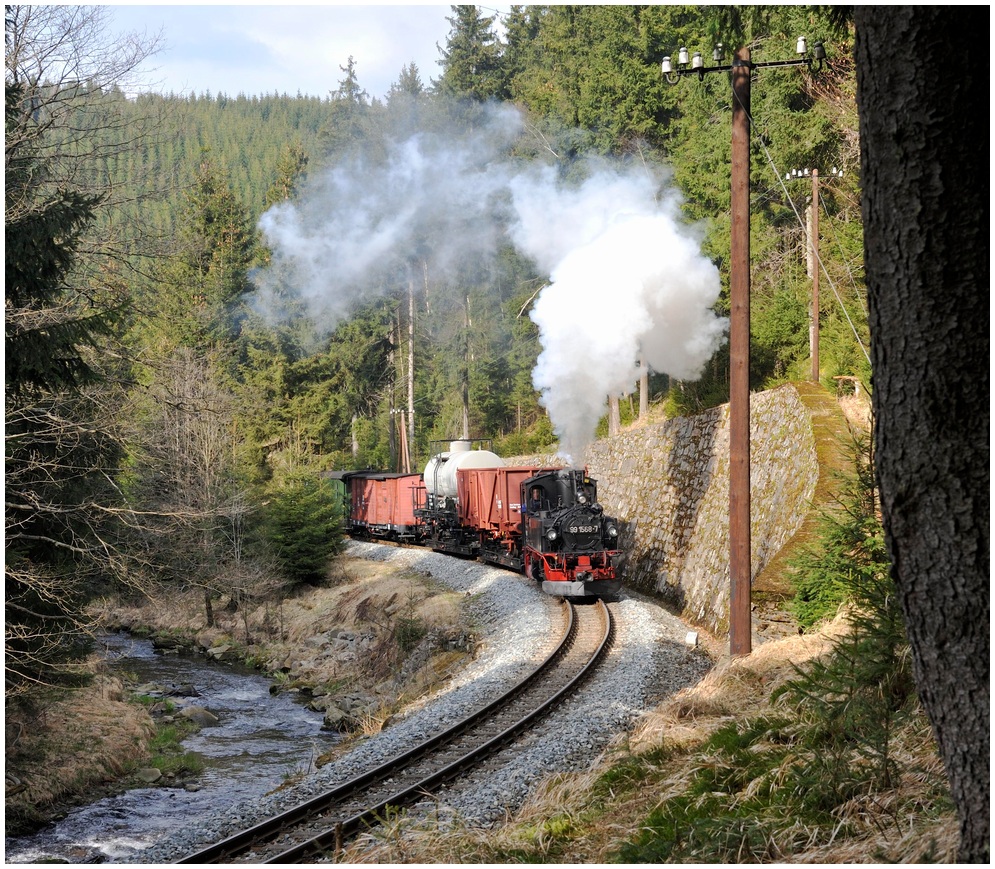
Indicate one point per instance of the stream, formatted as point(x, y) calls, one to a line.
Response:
point(260, 741)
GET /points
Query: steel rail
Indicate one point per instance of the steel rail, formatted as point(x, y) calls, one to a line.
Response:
point(266, 830)
point(331, 839)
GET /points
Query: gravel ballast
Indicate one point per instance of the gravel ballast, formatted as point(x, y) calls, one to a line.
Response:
point(518, 623)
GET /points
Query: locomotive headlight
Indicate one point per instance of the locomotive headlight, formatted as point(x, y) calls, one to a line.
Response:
point(612, 531)
point(551, 535)
point(581, 498)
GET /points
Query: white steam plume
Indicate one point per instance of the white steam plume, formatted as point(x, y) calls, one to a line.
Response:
point(626, 275)
point(362, 222)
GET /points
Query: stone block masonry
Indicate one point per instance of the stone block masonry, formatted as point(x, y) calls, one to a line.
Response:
point(668, 485)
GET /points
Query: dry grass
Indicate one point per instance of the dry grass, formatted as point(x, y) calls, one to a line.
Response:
point(578, 818)
point(361, 596)
point(734, 688)
point(68, 746)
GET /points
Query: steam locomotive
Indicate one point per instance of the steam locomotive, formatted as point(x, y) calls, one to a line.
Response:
point(545, 522)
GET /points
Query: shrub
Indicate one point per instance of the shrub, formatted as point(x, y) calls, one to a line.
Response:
point(848, 559)
point(304, 526)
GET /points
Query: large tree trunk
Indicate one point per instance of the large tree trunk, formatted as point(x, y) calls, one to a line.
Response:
point(924, 153)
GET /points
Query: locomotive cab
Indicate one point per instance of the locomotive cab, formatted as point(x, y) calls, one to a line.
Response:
point(570, 545)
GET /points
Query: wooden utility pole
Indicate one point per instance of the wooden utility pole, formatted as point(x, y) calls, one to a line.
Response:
point(740, 562)
point(614, 416)
point(411, 359)
point(740, 566)
point(813, 234)
point(644, 388)
point(404, 463)
point(813, 264)
point(395, 333)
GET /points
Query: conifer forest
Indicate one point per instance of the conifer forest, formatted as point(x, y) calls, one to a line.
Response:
point(212, 299)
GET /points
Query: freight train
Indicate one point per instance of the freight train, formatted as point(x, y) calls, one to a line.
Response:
point(544, 522)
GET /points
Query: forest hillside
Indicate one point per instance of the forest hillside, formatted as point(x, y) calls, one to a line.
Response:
point(213, 299)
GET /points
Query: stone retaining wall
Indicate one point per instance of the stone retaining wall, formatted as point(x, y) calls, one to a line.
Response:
point(668, 484)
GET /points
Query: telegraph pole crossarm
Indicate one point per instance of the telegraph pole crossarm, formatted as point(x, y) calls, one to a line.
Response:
point(695, 65)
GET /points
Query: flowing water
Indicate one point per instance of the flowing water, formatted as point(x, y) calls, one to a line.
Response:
point(260, 741)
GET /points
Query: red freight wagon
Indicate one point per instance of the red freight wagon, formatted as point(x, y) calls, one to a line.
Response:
point(490, 501)
point(383, 505)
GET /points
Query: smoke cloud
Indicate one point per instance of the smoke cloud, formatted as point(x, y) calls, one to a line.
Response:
point(359, 225)
point(627, 278)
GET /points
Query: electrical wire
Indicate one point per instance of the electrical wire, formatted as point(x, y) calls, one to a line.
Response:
point(801, 223)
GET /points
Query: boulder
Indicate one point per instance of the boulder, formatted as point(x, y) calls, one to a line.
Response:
point(184, 690)
point(319, 704)
point(201, 716)
point(218, 652)
point(338, 719)
point(358, 701)
point(150, 689)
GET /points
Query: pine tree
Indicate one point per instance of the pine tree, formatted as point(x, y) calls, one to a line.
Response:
point(408, 83)
point(471, 60)
point(199, 300)
point(46, 325)
point(291, 174)
point(346, 130)
point(304, 519)
point(55, 456)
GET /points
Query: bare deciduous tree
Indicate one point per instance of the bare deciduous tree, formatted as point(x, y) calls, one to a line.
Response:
point(185, 473)
point(64, 528)
point(64, 58)
point(63, 512)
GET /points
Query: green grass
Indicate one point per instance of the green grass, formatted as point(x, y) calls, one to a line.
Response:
point(748, 800)
point(628, 775)
point(148, 701)
point(168, 753)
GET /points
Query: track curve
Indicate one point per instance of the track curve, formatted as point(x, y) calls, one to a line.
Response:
point(321, 824)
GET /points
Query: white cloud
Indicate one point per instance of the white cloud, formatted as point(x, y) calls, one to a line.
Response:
point(257, 49)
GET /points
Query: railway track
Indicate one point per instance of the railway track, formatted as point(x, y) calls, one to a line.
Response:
point(321, 825)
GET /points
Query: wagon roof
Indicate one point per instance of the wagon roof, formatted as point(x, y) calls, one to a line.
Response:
point(367, 474)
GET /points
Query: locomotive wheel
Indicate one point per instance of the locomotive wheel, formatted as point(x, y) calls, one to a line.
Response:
point(534, 571)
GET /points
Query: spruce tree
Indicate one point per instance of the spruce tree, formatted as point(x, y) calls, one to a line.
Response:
point(304, 522)
point(45, 326)
point(471, 61)
point(347, 128)
point(55, 457)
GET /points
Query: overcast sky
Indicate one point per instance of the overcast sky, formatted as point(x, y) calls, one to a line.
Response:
point(260, 49)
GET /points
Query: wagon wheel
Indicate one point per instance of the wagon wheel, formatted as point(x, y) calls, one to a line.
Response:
point(533, 569)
